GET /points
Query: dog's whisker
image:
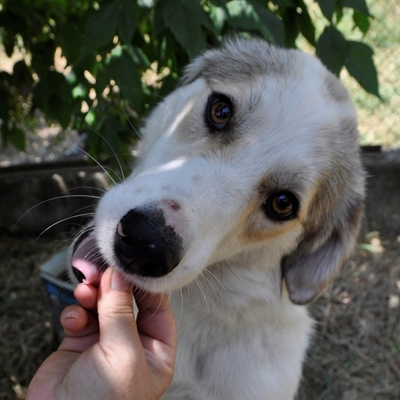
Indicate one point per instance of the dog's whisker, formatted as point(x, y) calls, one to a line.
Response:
point(84, 208)
point(53, 199)
point(132, 126)
point(82, 231)
point(99, 164)
point(209, 283)
point(60, 221)
point(204, 301)
point(115, 154)
point(216, 286)
point(85, 187)
point(215, 278)
point(181, 307)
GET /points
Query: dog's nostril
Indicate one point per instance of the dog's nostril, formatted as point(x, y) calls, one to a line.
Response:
point(125, 238)
point(120, 231)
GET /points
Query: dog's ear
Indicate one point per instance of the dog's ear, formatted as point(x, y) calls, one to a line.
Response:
point(321, 254)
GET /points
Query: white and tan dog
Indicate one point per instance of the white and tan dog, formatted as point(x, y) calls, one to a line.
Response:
point(245, 203)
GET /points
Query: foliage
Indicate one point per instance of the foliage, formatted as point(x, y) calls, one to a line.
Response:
point(123, 55)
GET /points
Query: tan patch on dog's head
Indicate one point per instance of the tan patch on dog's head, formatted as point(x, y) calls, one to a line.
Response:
point(257, 226)
point(255, 229)
point(330, 229)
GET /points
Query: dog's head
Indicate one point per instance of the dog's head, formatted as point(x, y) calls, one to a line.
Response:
point(257, 149)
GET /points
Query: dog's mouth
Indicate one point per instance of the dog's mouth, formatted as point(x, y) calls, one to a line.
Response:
point(143, 246)
point(87, 262)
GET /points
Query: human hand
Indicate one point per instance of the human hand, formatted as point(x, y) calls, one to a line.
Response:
point(110, 356)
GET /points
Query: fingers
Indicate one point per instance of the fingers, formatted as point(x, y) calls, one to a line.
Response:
point(157, 330)
point(77, 321)
point(148, 348)
point(87, 296)
point(115, 310)
point(81, 329)
point(74, 319)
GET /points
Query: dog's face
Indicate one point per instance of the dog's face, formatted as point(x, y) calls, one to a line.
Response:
point(258, 149)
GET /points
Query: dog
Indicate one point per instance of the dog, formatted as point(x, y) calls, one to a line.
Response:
point(245, 203)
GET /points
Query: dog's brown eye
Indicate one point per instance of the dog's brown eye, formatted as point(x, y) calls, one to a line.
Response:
point(282, 206)
point(218, 112)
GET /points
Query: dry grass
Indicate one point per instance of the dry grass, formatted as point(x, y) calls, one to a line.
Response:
point(355, 354)
point(356, 351)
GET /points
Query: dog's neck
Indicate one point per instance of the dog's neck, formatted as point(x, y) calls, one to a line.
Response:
point(235, 286)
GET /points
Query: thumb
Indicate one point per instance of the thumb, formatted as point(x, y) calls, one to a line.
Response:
point(115, 311)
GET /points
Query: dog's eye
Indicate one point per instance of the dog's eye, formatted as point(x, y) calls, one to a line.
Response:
point(218, 112)
point(282, 206)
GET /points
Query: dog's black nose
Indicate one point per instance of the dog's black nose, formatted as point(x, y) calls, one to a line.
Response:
point(145, 245)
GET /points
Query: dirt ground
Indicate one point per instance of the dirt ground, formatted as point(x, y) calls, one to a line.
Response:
point(355, 354)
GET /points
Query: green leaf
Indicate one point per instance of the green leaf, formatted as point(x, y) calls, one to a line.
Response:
point(42, 57)
point(339, 14)
point(79, 91)
point(114, 17)
point(219, 3)
point(167, 48)
point(252, 16)
point(138, 56)
point(110, 130)
point(331, 49)
point(127, 20)
point(327, 7)
point(8, 41)
point(361, 21)
point(127, 78)
point(102, 25)
point(360, 64)
point(218, 16)
point(359, 5)
point(285, 3)
point(53, 97)
point(270, 24)
point(185, 18)
point(242, 15)
point(72, 39)
point(292, 28)
point(159, 24)
point(307, 28)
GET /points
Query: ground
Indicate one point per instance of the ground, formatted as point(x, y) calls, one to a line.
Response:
point(355, 353)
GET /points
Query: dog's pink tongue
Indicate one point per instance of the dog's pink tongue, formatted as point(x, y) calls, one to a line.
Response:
point(87, 264)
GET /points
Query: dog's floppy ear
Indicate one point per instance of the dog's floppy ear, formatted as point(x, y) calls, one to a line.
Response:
point(321, 254)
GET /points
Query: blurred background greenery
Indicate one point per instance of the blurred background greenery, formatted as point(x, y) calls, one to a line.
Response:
point(99, 66)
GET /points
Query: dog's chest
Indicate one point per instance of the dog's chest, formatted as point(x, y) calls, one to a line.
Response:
point(237, 354)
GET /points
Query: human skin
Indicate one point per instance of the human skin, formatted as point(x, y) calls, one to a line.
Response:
point(106, 353)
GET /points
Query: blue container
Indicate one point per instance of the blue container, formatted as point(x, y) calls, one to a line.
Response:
point(60, 290)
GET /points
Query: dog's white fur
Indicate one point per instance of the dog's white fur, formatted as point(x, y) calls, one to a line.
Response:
point(239, 292)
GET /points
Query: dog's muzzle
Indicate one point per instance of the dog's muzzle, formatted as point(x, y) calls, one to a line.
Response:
point(144, 245)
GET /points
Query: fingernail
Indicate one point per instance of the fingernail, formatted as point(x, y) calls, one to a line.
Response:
point(71, 315)
point(119, 282)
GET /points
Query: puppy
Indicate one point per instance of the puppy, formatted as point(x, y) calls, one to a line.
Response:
point(245, 203)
